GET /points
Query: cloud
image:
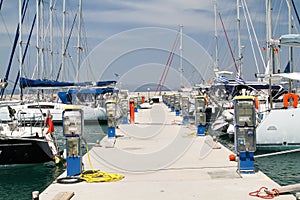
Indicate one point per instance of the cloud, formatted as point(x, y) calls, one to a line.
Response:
point(169, 14)
point(104, 19)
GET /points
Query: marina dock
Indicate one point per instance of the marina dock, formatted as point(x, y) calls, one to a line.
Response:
point(162, 159)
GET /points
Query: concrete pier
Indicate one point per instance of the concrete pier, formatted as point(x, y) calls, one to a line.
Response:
point(162, 159)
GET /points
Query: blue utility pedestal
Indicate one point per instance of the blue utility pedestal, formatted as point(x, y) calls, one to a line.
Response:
point(111, 109)
point(73, 130)
point(245, 132)
point(185, 107)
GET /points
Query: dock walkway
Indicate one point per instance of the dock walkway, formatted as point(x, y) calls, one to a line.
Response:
point(162, 159)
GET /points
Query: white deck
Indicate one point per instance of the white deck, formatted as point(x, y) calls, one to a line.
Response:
point(163, 160)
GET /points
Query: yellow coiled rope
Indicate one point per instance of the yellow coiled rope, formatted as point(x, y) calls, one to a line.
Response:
point(97, 175)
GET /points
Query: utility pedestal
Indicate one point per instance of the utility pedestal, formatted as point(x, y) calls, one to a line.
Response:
point(172, 102)
point(111, 108)
point(125, 108)
point(245, 136)
point(200, 115)
point(185, 106)
point(177, 104)
point(73, 131)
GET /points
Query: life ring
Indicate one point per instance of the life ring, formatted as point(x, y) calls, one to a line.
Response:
point(287, 96)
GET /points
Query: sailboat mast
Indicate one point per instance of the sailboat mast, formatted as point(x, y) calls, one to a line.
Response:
point(79, 38)
point(42, 40)
point(270, 52)
point(38, 37)
point(38, 18)
point(181, 63)
point(216, 39)
point(269, 36)
point(51, 39)
point(20, 45)
point(289, 3)
point(63, 40)
point(240, 57)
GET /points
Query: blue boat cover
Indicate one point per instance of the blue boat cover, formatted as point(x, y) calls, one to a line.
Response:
point(25, 82)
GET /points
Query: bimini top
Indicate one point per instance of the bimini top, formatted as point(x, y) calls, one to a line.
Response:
point(82, 95)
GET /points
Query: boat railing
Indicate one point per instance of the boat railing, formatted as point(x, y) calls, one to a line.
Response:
point(34, 120)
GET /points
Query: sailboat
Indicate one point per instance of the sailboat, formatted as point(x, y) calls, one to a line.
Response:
point(89, 99)
point(23, 143)
point(277, 114)
point(93, 111)
point(279, 127)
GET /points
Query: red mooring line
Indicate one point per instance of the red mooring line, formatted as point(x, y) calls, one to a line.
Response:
point(236, 67)
point(167, 67)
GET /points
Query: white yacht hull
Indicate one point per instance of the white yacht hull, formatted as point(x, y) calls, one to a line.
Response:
point(32, 112)
point(280, 129)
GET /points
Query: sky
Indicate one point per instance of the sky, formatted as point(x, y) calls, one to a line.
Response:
point(130, 40)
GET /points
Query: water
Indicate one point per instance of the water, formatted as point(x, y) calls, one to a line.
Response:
point(19, 181)
point(283, 169)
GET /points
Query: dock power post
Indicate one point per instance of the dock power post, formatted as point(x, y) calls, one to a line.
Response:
point(168, 100)
point(177, 104)
point(200, 115)
point(139, 101)
point(135, 104)
point(244, 134)
point(125, 108)
point(172, 102)
point(185, 106)
point(73, 131)
point(111, 110)
point(164, 98)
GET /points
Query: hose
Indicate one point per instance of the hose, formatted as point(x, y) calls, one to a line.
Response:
point(69, 180)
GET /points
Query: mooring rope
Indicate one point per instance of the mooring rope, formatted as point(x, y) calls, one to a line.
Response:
point(277, 153)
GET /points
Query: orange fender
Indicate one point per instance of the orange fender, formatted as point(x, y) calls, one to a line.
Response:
point(256, 103)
